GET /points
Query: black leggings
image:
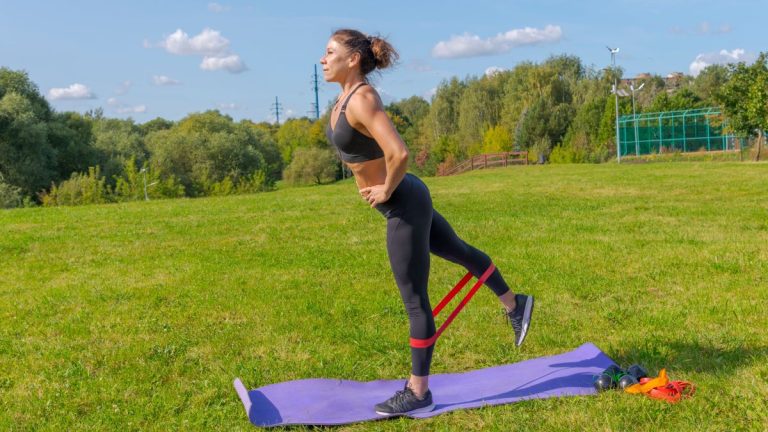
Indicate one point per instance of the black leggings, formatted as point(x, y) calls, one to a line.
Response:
point(414, 229)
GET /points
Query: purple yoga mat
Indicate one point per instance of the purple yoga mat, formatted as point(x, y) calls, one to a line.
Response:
point(335, 402)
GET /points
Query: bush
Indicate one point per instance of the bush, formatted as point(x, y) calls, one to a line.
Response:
point(80, 189)
point(130, 184)
point(256, 182)
point(311, 165)
point(539, 151)
point(444, 167)
point(10, 196)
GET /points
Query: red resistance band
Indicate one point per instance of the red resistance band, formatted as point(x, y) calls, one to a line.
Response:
point(426, 343)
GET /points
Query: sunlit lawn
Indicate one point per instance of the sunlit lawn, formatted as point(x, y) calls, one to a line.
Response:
point(138, 316)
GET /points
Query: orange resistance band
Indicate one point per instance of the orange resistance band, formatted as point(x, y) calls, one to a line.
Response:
point(662, 388)
point(426, 343)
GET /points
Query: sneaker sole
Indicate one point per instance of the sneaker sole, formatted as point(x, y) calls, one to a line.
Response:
point(427, 408)
point(526, 319)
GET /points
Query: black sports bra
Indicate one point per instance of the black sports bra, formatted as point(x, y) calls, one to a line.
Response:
point(353, 145)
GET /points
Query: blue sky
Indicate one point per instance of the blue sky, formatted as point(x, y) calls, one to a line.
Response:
point(145, 59)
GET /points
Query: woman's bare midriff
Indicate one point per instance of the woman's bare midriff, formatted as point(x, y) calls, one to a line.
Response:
point(369, 173)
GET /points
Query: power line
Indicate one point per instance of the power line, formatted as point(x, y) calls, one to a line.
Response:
point(316, 104)
point(277, 108)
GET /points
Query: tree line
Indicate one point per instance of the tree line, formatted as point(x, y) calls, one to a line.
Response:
point(559, 109)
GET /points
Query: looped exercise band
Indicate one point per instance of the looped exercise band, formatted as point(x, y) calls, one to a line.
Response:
point(426, 343)
point(662, 388)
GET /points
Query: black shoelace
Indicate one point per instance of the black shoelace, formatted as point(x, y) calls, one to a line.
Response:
point(400, 400)
point(515, 319)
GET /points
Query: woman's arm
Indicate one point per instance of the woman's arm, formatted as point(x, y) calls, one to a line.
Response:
point(369, 111)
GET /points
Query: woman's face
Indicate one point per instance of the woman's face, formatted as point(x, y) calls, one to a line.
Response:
point(336, 62)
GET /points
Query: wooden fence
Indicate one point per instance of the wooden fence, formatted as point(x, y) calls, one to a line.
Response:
point(490, 160)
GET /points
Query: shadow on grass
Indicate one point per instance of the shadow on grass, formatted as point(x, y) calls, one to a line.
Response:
point(691, 356)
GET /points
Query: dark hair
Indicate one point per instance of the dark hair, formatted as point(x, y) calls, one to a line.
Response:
point(375, 52)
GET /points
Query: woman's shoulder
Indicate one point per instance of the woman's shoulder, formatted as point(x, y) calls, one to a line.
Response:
point(366, 98)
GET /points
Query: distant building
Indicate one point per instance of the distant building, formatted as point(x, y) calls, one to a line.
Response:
point(639, 77)
point(673, 81)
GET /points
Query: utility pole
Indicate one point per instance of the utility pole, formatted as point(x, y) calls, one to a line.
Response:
point(614, 51)
point(276, 108)
point(634, 114)
point(317, 99)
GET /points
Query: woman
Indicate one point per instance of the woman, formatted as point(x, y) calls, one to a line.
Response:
point(372, 149)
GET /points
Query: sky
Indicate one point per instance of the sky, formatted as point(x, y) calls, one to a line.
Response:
point(147, 59)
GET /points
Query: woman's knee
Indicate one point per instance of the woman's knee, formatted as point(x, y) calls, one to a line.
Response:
point(417, 308)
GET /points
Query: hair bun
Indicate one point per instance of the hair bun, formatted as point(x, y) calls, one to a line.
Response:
point(383, 52)
point(375, 52)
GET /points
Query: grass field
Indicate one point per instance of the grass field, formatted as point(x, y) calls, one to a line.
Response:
point(138, 316)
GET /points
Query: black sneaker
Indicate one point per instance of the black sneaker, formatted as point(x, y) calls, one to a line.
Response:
point(520, 318)
point(405, 402)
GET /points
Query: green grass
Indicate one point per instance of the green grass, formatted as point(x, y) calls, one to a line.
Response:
point(138, 316)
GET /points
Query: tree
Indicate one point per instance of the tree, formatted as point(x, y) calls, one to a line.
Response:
point(10, 196)
point(71, 136)
point(444, 112)
point(18, 82)
point(496, 139)
point(26, 157)
point(155, 124)
point(412, 109)
point(204, 149)
point(581, 142)
point(708, 83)
point(262, 139)
point(412, 112)
point(294, 133)
point(116, 141)
point(311, 165)
point(745, 99)
point(479, 109)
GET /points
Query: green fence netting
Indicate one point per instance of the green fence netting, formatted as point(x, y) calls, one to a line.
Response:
point(702, 129)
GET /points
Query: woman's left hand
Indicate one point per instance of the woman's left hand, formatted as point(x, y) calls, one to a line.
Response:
point(375, 194)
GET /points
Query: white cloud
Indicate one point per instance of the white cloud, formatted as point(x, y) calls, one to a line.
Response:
point(419, 65)
point(74, 91)
point(138, 109)
point(231, 63)
point(702, 28)
point(430, 93)
point(229, 106)
point(124, 87)
point(122, 108)
point(493, 70)
point(162, 80)
point(724, 56)
point(469, 45)
point(217, 8)
point(705, 27)
point(208, 43)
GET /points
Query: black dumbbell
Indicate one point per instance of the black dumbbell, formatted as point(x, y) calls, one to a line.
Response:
point(637, 371)
point(609, 378)
point(627, 380)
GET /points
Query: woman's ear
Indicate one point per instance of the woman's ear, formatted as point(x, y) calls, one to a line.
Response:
point(354, 60)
